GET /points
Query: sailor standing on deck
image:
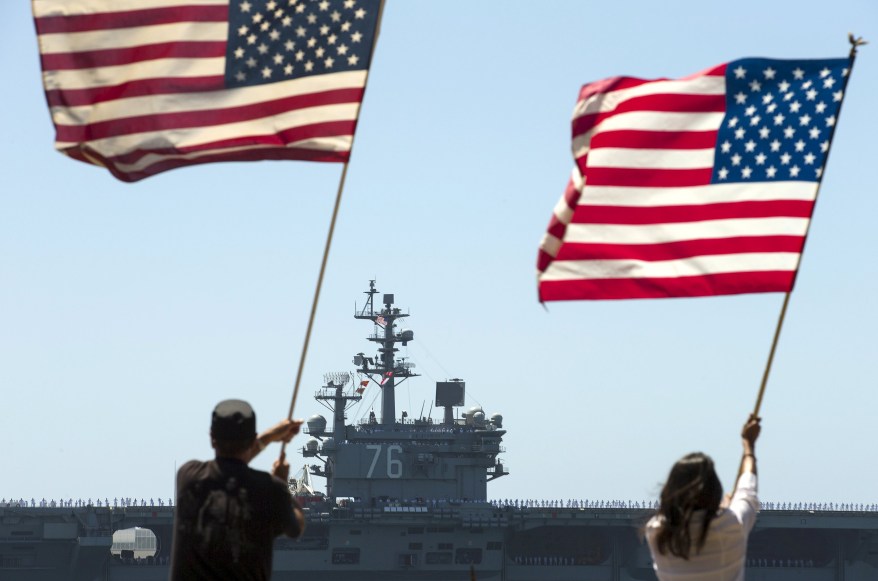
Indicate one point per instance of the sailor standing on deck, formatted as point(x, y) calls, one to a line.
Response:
point(227, 514)
point(691, 535)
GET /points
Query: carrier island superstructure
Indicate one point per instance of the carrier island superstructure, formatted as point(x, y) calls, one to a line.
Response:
point(407, 499)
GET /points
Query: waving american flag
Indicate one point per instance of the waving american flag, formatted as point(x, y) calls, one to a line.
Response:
point(143, 86)
point(698, 186)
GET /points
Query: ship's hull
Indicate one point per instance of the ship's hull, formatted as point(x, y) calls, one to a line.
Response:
point(441, 544)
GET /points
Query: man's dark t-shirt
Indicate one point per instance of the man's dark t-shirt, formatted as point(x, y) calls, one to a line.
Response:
point(226, 519)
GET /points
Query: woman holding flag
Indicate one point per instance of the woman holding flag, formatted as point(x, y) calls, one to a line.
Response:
point(694, 534)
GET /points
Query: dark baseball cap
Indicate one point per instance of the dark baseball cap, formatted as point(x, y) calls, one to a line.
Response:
point(233, 420)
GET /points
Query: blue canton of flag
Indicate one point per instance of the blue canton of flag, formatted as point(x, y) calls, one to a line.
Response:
point(274, 40)
point(779, 119)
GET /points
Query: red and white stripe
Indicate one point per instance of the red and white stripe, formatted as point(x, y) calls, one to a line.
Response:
point(639, 217)
point(141, 91)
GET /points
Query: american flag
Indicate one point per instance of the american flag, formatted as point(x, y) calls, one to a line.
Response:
point(698, 186)
point(144, 86)
point(386, 377)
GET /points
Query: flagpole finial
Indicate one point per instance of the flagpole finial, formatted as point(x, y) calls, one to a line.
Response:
point(856, 41)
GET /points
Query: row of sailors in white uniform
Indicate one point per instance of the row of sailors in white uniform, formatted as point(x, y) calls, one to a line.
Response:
point(653, 505)
point(70, 502)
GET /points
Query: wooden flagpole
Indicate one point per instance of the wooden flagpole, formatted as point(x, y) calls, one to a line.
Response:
point(855, 42)
point(341, 182)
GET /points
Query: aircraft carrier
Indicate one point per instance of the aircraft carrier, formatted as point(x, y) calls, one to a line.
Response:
point(407, 499)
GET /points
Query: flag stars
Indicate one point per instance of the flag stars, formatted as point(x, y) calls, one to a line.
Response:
point(824, 72)
point(800, 146)
point(770, 171)
point(809, 158)
point(733, 122)
point(736, 159)
point(820, 107)
point(767, 98)
point(769, 73)
point(740, 98)
point(814, 133)
point(779, 119)
point(726, 146)
point(723, 173)
point(750, 146)
point(764, 132)
point(783, 86)
point(755, 120)
point(740, 72)
point(789, 132)
point(775, 145)
point(751, 110)
point(805, 119)
point(794, 171)
point(818, 172)
point(739, 133)
point(798, 74)
point(811, 94)
point(795, 106)
point(760, 159)
point(755, 86)
point(771, 108)
point(785, 158)
point(746, 172)
point(268, 36)
point(824, 146)
point(828, 83)
point(830, 121)
point(836, 97)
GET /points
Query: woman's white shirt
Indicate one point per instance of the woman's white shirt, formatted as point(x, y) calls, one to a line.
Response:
point(723, 555)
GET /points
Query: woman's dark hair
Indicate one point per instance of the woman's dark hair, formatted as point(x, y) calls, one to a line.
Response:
point(692, 485)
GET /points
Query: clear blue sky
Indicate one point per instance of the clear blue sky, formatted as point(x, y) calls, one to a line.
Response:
point(128, 311)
